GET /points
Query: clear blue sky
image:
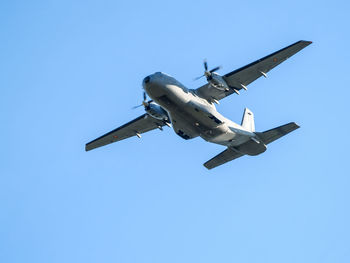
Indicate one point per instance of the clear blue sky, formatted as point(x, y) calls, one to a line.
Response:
point(72, 70)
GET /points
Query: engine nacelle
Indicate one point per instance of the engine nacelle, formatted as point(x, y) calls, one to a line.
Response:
point(216, 81)
point(156, 111)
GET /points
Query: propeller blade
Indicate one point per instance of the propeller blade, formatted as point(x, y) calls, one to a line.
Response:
point(206, 72)
point(215, 69)
point(135, 107)
point(198, 77)
point(205, 65)
point(144, 102)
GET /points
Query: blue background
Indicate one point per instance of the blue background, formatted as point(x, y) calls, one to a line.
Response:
point(72, 70)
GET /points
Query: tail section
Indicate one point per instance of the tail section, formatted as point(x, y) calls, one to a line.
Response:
point(254, 146)
point(248, 120)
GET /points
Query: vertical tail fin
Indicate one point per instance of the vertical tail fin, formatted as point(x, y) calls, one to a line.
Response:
point(248, 120)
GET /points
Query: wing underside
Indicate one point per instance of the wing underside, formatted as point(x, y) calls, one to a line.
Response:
point(242, 77)
point(135, 127)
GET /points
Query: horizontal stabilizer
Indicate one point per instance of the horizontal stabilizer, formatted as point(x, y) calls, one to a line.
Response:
point(223, 157)
point(276, 133)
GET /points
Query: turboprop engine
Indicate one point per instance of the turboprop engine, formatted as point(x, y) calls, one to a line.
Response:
point(154, 109)
point(214, 79)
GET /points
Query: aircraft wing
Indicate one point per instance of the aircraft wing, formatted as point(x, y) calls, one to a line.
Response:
point(140, 125)
point(242, 77)
point(223, 157)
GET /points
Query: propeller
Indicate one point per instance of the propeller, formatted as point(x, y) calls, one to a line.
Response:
point(207, 73)
point(144, 103)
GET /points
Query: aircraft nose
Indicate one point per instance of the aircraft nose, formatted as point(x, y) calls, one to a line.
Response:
point(153, 85)
point(145, 81)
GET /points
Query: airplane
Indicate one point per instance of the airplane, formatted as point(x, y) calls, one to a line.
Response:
point(192, 112)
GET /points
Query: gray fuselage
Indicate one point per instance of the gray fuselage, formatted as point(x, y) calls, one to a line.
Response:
point(193, 116)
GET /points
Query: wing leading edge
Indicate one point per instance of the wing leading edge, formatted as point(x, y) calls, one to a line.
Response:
point(242, 77)
point(142, 124)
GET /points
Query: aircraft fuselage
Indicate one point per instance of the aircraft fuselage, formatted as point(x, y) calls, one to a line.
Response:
point(192, 116)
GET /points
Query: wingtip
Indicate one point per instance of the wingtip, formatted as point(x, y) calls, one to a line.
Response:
point(296, 125)
point(307, 42)
point(207, 166)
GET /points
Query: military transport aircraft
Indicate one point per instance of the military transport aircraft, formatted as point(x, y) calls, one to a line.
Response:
point(192, 113)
